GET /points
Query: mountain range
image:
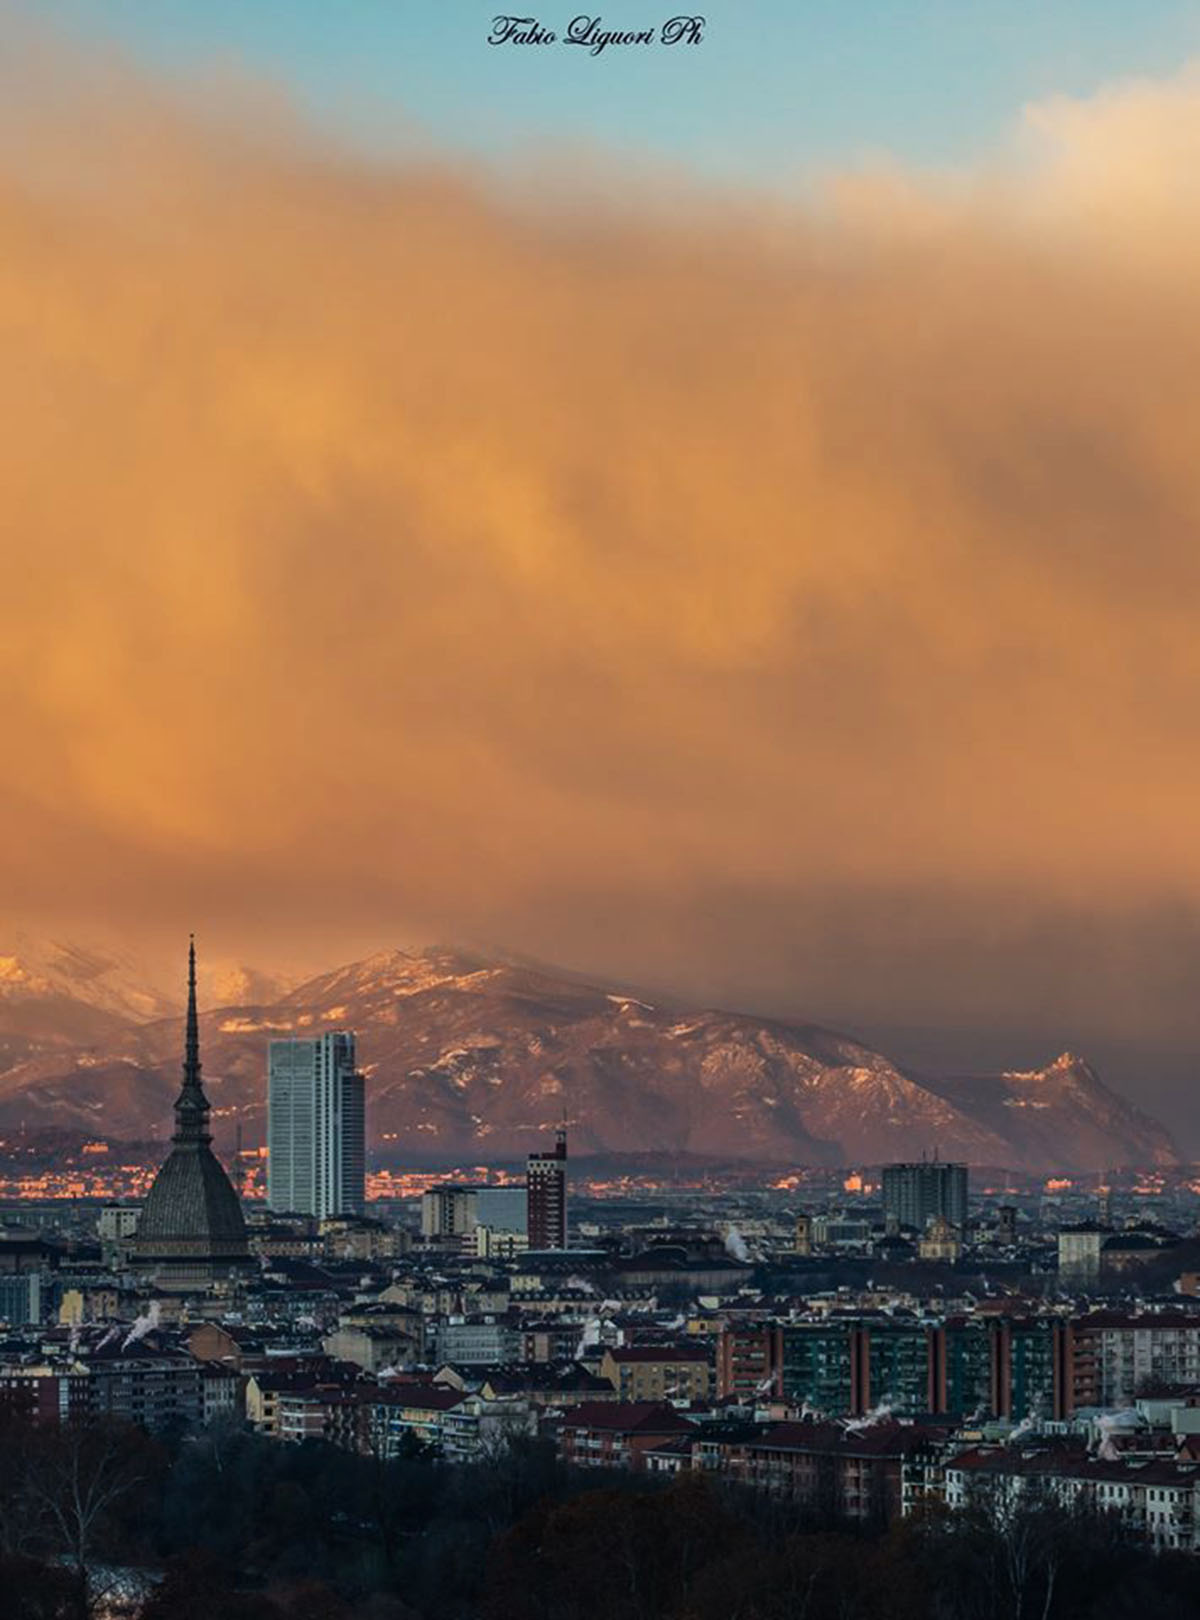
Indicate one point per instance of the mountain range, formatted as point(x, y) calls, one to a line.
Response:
point(476, 1057)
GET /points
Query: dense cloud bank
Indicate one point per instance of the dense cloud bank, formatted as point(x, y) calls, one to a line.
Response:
point(774, 599)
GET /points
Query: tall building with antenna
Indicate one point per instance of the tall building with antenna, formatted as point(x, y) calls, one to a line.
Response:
point(914, 1193)
point(546, 1195)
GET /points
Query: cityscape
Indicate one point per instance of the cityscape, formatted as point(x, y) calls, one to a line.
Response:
point(895, 1345)
point(599, 900)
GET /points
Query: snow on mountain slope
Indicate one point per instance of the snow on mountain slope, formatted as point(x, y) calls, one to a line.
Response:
point(475, 1055)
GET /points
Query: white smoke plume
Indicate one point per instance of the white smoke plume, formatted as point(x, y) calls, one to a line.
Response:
point(877, 1414)
point(735, 1245)
point(1108, 1426)
point(143, 1325)
point(590, 1338)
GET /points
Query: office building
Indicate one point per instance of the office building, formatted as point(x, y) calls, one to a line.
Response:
point(316, 1127)
point(914, 1193)
point(546, 1196)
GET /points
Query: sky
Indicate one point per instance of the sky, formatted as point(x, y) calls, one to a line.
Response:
point(776, 86)
point(725, 523)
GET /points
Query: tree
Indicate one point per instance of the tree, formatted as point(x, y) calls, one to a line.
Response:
point(196, 1586)
point(82, 1479)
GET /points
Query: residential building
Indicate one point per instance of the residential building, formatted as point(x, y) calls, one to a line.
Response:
point(892, 1362)
point(44, 1391)
point(607, 1434)
point(1156, 1501)
point(23, 1298)
point(658, 1372)
point(389, 1339)
point(147, 1382)
point(1079, 1251)
point(847, 1472)
point(913, 1193)
point(749, 1361)
point(1115, 1354)
point(478, 1341)
point(495, 1243)
point(116, 1226)
point(448, 1211)
point(405, 1413)
point(961, 1369)
point(816, 1366)
point(546, 1193)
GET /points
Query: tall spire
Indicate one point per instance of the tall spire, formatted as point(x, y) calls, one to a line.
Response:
point(191, 1106)
point(191, 1057)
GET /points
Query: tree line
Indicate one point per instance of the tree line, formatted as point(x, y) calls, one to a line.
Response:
point(227, 1525)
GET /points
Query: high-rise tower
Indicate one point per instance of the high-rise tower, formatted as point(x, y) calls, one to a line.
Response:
point(913, 1193)
point(191, 1230)
point(316, 1137)
point(546, 1195)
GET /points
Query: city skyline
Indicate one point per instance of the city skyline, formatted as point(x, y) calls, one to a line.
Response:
point(633, 576)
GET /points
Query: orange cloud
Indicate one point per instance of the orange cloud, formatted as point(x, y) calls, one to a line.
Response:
point(637, 584)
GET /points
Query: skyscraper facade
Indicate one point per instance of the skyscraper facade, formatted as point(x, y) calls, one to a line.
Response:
point(546, 1196)
point(914, 1193)
point(316, 1135)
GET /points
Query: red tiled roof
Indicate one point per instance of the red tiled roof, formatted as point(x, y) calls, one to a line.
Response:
point(1076, 1464)
point(425, 1397)
point(874, 1440)
point(1186, 1318)
point(626, 1417)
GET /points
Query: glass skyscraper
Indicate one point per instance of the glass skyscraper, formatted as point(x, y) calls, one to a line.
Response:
point(316, 1137)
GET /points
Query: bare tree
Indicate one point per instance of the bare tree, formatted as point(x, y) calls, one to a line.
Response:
point(79, 1477)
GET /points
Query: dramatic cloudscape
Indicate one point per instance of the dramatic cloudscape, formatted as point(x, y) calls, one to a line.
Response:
point(785, 599)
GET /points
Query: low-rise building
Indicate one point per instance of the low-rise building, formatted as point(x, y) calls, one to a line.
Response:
point(852, 1472)
point(617, 1434)
point(1155, 1500)
point(403, 1413)
point(658, 1372)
